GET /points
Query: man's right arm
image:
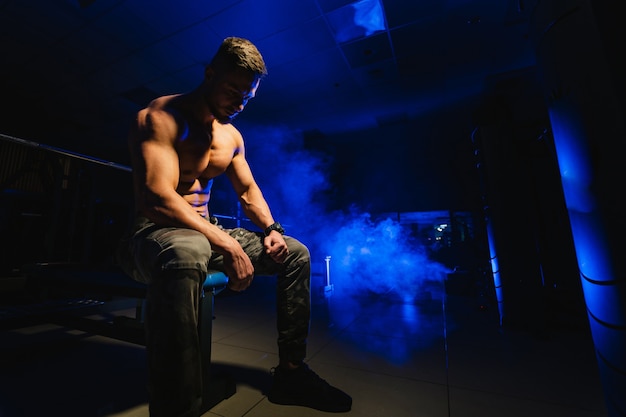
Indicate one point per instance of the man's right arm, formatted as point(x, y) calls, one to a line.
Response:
point(157, 173)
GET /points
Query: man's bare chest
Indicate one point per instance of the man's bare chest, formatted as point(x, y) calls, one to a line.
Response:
point(207, 158)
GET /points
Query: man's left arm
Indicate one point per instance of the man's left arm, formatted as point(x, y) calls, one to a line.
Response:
point(255, 206)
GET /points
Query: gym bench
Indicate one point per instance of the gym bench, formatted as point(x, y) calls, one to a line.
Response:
point(110, 281)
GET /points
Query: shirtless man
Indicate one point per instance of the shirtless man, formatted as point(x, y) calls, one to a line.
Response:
point(178, 144)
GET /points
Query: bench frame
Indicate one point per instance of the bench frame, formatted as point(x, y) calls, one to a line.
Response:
point(110, 281)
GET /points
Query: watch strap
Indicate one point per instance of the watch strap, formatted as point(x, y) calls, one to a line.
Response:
point(274, 226)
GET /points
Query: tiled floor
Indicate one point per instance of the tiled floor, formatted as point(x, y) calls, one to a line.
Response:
point(439, 355)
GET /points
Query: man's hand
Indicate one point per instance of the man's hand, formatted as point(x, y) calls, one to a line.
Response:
point(276, 247)
point(239, 269)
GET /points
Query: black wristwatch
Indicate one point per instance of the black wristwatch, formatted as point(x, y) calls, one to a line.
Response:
point(276, 226)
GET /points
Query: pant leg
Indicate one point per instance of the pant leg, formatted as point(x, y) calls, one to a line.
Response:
point(293, 308)
point(173, 346)
point(173, 263)
point(293, 290)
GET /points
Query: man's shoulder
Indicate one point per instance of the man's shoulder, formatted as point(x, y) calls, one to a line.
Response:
point(163, 106)
point(227, 129)
point(163, 109)
point(157, 122)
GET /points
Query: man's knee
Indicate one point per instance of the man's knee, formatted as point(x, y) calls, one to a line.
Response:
point(298, 263)
point(299, 251)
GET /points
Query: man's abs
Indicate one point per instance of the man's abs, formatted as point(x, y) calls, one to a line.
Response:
point(197, 193)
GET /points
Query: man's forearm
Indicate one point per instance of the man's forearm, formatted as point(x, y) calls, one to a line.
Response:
point(255, 208)
point(174, 211)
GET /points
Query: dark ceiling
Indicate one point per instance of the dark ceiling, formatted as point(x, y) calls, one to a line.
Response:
point(75, 71)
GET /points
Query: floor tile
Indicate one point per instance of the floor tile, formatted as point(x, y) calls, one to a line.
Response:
point(433, 355)
point(471, 403)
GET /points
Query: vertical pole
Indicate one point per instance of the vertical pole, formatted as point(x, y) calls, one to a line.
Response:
point(589, 134)
point(328, 288)
point(491, 237)
point(495, 269)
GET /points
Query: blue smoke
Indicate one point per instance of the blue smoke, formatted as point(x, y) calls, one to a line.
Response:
point(379, 257)
point(369, 255)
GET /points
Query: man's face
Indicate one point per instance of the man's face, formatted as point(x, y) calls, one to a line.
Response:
point(229, 93)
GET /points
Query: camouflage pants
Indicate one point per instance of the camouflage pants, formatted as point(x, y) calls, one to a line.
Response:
point(173, 263)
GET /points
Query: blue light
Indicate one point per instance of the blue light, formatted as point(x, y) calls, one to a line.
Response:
point(368, 14)
point(573, 154)
point(574, 158)
point(368, 254)
point(373, 260)
point(357, 20)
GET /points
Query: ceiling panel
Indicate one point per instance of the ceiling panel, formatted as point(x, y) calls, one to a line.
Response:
point(126, 27)
point(330, 5)
point(400, 13)
point(197, 42)
point(297, 42)
point(256, 20)
point(367, 51)
point(168, 17)
point(61, 54)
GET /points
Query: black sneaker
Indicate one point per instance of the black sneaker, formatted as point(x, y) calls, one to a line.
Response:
point(304, 387)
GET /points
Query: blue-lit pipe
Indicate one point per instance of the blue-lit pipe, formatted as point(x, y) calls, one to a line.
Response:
point(491, 237)
point(495, 270)
point(589, 135)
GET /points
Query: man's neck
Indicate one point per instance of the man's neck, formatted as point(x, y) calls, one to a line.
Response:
point(194, 104)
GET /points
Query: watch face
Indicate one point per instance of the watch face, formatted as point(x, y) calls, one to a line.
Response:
point(276, 226)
